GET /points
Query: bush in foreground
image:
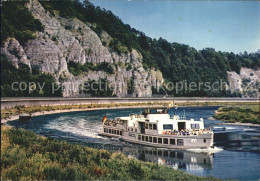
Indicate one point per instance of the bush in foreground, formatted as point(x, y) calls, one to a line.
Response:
point(27, 156)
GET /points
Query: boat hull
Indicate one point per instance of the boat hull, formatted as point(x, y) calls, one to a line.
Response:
point(202, 141)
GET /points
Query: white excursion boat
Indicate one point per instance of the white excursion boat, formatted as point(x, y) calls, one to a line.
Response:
point(155, 127)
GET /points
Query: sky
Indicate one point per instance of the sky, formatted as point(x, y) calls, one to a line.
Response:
point(223, 25)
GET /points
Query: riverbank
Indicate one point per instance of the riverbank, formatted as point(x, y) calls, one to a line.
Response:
point(27, 156)
point(69, 109)
point(14, 112)
point(248, 115)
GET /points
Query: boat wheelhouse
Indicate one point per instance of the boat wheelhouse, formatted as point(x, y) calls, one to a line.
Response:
point(155, 127)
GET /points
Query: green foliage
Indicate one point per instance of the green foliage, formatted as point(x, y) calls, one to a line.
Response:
point(130, 86)
point(77, 68)
point(26, 156)
point(106, 67)
point(17, 22)
point(248, 114)
point(245, 81)
point(117, 46)
point(10, 74)
point(100, 88)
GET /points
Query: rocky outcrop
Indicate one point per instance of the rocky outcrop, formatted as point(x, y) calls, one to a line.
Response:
point(64, 40)
point(15, 52)
point(156, 78)
point(46, 56)
point(247, 82)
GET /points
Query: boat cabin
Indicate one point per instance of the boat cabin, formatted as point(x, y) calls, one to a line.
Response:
point(157, 121)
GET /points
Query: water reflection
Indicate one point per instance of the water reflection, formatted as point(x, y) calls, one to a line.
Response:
point(176, 159)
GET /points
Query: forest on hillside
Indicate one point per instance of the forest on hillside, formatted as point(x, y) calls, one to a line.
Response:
point(178, 62)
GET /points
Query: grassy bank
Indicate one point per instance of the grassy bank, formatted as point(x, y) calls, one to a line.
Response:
point(239, 113)
point(27, 156)
point(7, 113)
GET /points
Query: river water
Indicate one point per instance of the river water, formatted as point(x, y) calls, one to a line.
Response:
point(239, 159)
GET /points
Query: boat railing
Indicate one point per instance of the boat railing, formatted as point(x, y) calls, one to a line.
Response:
point(185, 132)
point(113, 123)
point(182, 117)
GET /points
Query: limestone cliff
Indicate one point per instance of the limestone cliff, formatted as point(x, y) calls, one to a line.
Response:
point(247, 82)
point(64, 40)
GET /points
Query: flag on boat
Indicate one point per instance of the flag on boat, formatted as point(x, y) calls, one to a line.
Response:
point(104, 118)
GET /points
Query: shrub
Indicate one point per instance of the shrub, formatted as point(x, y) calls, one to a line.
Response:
point(78, 69)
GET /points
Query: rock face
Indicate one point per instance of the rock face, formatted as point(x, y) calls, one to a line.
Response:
point(15, 52)
point(247, 82)
point(64, 40)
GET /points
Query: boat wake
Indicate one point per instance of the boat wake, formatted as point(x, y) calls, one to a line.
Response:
point(206, 150)
point(76, 126)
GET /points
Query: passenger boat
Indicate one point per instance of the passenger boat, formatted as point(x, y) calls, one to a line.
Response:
point(155, 127)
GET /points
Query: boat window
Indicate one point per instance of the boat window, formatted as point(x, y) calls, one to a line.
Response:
point(114, 131)
point(132, 134)
point(153, 111)
point(146, 125)
point(150, 139)
point(180, 142)
point(154, 152)
point(146, 138)
point(150, 126)
point(154, 139)
point(159, 110)
point(204, 140)
point(105, 130)
point(165, 153)
point(172, 154)
point(151, 152)
point(110, 131)
point(135, 130)
point(154, 126)
point(132, 129)
point(117, 132)
point(142, 137)
point(167, 126)
point(139, 137)
point(160, 140)
point(121, 133)
point(160, 152)
point(195, 126)
point(165, 141)
point(179, 155)
point(172, 141)
point(147, 111)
